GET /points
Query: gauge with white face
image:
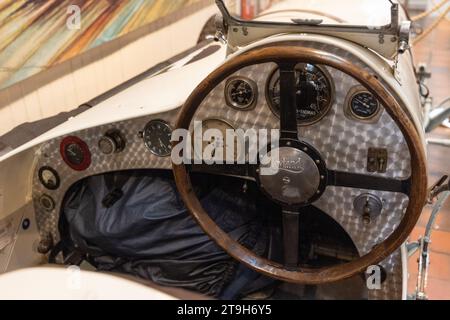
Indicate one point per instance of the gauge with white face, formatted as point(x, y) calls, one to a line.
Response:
point(49, 178)
point(157, 137)
point(212, 137)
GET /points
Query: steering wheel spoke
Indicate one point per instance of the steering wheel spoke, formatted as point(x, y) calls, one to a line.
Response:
point(367, 182)
point(291, 238)
point(288, 101)
point(244, 171)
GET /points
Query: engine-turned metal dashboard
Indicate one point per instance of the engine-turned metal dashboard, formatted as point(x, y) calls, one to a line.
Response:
point(342, 121)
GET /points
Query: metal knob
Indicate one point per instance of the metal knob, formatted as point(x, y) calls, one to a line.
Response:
point(112, 142)
point(369, 207)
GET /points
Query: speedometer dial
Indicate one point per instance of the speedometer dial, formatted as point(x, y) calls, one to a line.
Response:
point(315, 93)
point(157, 137)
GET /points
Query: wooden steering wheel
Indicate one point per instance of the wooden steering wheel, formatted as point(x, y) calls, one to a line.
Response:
point(317, 177)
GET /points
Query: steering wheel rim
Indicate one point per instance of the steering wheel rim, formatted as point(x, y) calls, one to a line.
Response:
point(283, 54)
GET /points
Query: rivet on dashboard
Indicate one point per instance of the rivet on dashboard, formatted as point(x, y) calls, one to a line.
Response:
point(45, 245)
point(26, 224)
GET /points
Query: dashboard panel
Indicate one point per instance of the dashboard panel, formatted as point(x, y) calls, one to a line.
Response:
point(335, 115)
point(343, 142)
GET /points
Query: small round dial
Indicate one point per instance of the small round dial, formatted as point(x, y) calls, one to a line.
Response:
point(75, 153)
point(241, 93)
point(364, 105)
point(47, 203)
point(157, 137)
point(49, 178)
point(314, 91)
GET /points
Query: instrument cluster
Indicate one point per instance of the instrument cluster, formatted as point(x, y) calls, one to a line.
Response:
point(315, 96)
point(315, 99)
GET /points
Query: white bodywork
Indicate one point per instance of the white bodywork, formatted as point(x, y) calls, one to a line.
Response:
point(55, 283)
point(153, 96)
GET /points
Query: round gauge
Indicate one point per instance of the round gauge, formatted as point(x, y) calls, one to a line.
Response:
point(157, 137)
point(75, 153)
point(361, 105)
point(364, 105)
point(47, 203)
point(49, 178)
point(241, 93)
point(315, 93)
point(217, 140)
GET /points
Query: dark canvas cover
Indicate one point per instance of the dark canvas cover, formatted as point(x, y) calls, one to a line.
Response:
point(149, 233)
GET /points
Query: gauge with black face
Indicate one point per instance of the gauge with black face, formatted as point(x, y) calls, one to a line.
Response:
point(315, 93)
point(49, 178)
point(157, 137)
point(241, 93)
point(75, 153)
point(364, 105)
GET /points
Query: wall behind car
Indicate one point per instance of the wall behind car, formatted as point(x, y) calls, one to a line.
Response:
point(50, 62)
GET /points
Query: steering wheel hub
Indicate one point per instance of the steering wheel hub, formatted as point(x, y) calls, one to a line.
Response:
point(292, 178)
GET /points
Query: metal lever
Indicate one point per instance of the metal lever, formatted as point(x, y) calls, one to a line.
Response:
point(441, 192)
point(439, 187)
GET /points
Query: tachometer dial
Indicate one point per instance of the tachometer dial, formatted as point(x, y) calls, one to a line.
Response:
point(241, 93)
point(315, 93)
point(157, 137)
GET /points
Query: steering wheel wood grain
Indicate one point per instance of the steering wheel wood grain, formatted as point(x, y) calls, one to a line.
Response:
point(287, 57)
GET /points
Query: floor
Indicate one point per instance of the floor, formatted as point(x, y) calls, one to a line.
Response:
point(435, 52)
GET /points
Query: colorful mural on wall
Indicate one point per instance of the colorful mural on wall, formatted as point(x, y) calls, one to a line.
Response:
point(38, 34)
point(248, 9)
